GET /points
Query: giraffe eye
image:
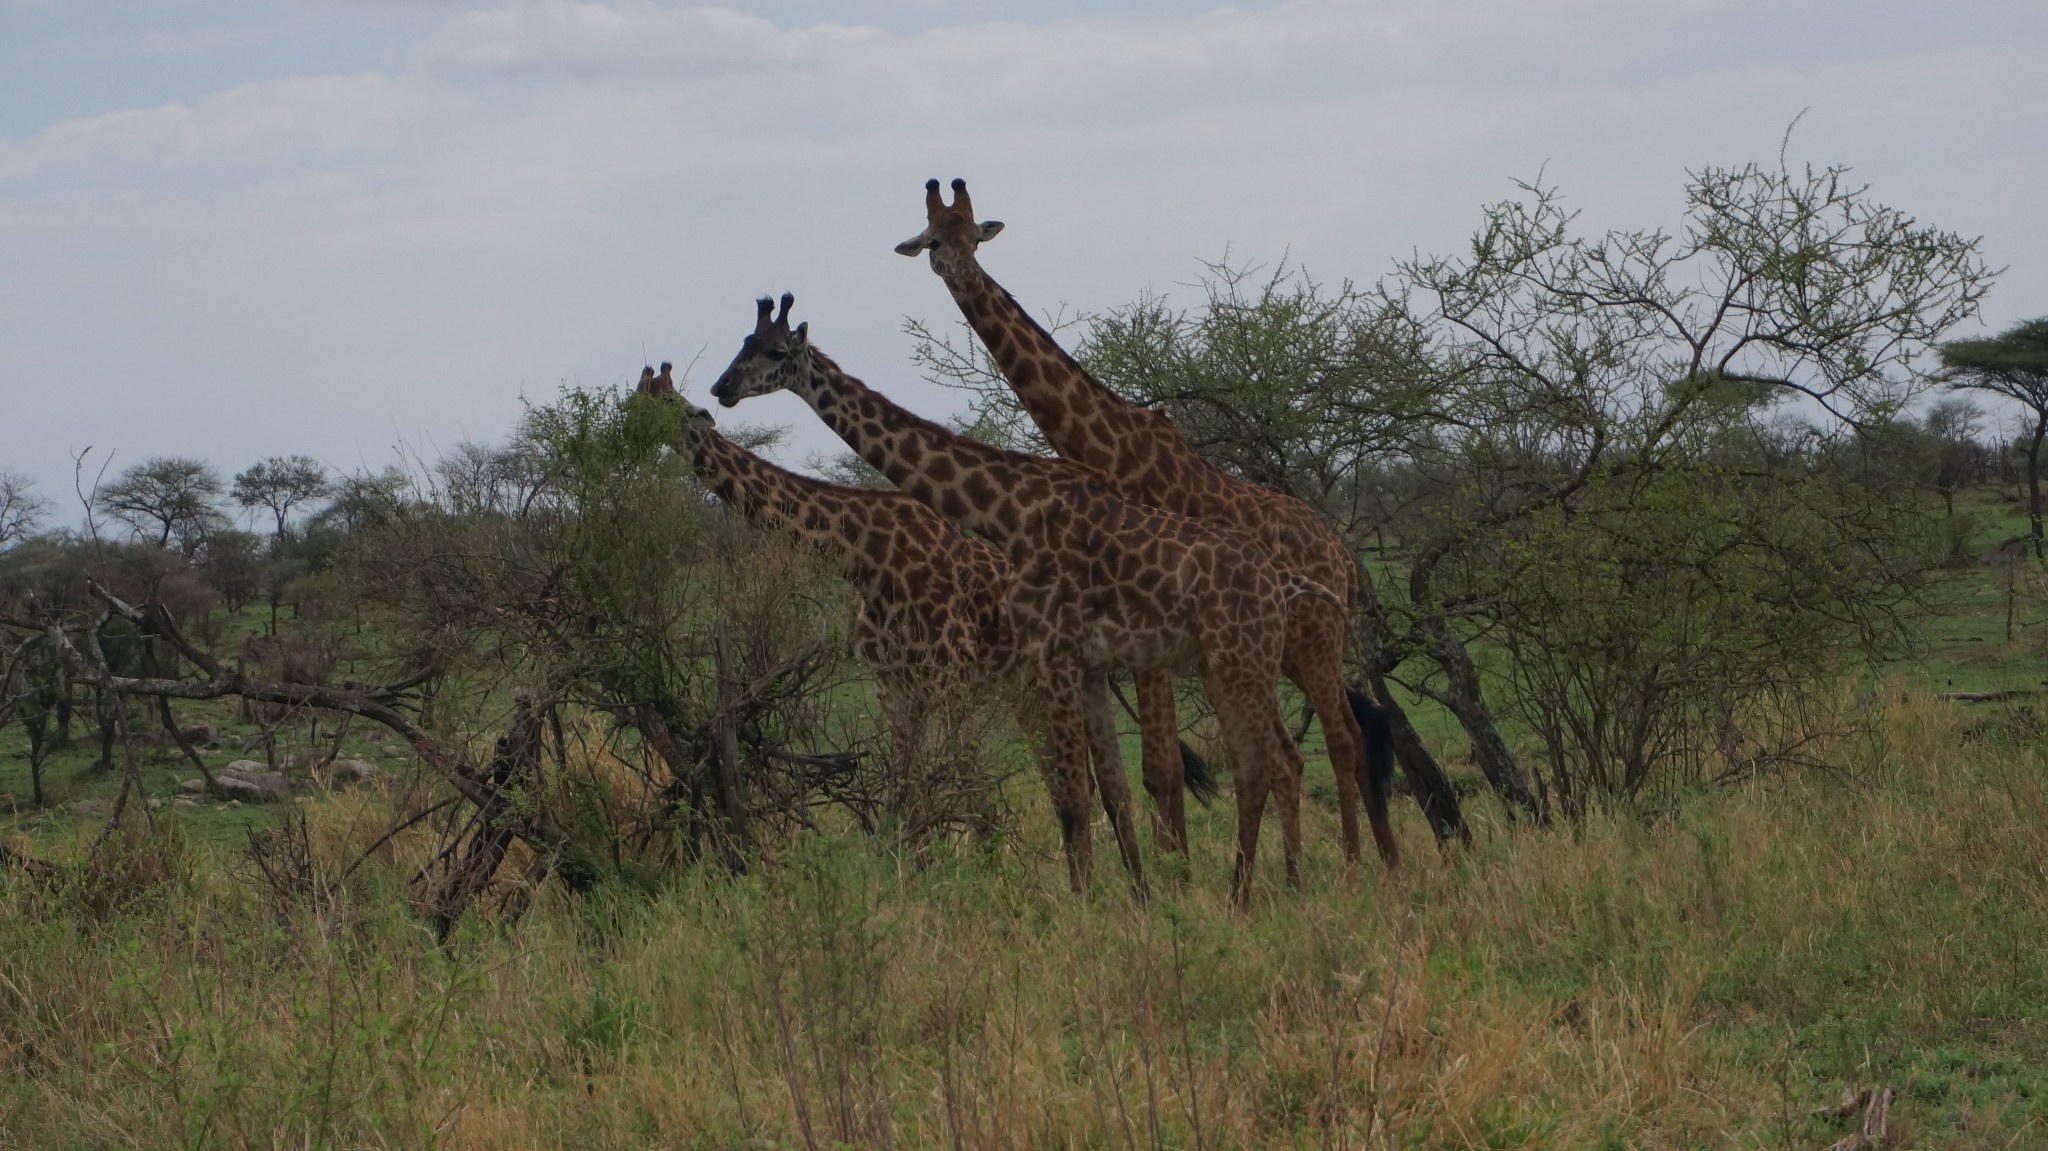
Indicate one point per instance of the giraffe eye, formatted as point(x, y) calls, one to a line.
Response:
point(776, 354)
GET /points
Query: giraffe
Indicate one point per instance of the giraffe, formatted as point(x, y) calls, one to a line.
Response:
point(1144, 457)
point(1101, 582)
point(934, 600)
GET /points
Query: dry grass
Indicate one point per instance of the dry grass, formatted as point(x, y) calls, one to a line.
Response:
point(1704, 981)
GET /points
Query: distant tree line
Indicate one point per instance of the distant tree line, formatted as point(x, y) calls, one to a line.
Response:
point(1630, 505)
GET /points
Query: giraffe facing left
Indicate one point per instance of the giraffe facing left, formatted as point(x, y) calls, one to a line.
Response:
point(934, 601)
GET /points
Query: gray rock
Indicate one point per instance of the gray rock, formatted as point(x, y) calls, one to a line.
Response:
point(194, 786)
point(247, 767)
point(349, 772)
point(184, 801)
point(252, 786)
point(96, 808)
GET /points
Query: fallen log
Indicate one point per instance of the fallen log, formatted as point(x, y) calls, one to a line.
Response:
point(1987, 696)
point(27, 863)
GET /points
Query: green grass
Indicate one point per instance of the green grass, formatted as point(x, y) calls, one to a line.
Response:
point(1704, 982)
point(1968, 648)
point(1709, 978)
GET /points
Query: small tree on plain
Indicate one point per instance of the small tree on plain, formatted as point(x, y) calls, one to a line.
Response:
point(170, 497)
point(1952, 423)
point(2013, 364)
point(21, 510)
point(280, 484)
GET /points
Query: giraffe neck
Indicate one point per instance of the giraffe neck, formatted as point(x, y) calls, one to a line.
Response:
point(1081, 418)
point(970, 483)
point(848, 523)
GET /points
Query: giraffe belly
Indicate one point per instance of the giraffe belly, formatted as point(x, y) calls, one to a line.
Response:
point(1177, 649)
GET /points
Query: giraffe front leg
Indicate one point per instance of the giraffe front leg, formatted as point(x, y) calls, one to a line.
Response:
point(899, 700)
point(1287, 794)
point(1107, 754)
point(1321, 683)
point(1247, 731)
point(1160, 757)
point(1067, 742)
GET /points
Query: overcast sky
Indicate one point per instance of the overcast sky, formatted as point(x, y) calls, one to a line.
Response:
point(239, 228)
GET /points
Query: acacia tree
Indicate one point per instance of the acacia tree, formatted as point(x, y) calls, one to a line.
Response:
point(21, 510)
point(2013, 364)
point(280, 484)
point(173, 497)
point(1571, 360)
point(1952, 425)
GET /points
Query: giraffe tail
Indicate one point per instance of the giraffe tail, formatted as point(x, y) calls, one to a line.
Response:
point(1301, 585)
point(1196, 776)
point(1379, 749)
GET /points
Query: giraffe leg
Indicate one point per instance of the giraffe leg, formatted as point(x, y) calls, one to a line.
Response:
point(898, 698)
point(1287, 780)
point(1067, 741)
point(1315, 662)
point(1107, 754)
point(1160, 755)
point(1249, 735)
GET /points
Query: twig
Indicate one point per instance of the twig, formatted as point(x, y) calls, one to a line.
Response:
point(387, 837)
point(163, 704)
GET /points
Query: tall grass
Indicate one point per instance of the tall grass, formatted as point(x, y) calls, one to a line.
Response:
point(1705, 980)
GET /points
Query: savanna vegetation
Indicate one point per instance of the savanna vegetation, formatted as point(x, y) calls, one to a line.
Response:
point(526, 796)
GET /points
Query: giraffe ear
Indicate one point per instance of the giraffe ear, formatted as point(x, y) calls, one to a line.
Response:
point(802, 334)
point(989, 228)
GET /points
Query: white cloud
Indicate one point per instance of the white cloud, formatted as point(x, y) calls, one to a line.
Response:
point(322, 263)
point(249, 127)
point(628, 42)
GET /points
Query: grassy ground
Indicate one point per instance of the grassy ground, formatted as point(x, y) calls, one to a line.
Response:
point(1968, 647)
point(1709, 979)
point(1706, 982)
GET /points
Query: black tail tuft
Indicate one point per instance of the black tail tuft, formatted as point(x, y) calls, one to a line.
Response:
point(1196, 776)
point(1379, 746)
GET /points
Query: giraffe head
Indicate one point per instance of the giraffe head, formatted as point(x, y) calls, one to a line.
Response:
point(951, 234)
point(771, 359)
point(696, 421)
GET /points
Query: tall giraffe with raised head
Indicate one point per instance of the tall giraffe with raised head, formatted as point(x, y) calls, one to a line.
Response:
point(934, 600)
point(1145, 458)
point(1101, 583)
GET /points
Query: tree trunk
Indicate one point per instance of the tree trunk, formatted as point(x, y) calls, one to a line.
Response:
point(104, 711)
point(447, 885)
point(726, 750)
point(1496, 762)
point(170, 722)
point(2034, 478)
